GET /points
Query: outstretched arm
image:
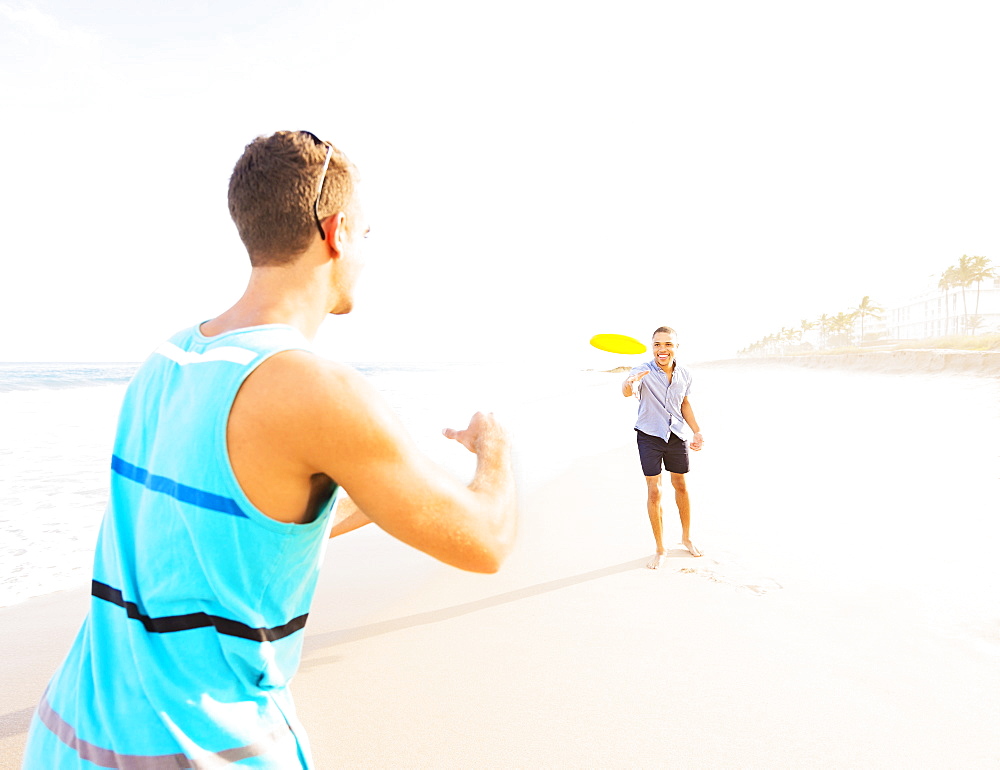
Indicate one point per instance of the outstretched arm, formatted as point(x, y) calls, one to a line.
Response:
point(325, 418)
point(631, 380)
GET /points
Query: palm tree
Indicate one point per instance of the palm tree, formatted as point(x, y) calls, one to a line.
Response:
point(824, 328)
point(963, 276)
point(865, 309)
point(790, 336)
point(842, 323)
point(980, 269)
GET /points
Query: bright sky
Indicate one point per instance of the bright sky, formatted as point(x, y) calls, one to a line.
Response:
point(535, 172)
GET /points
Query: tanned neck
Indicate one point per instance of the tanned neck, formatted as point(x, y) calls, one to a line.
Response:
point(277, 295)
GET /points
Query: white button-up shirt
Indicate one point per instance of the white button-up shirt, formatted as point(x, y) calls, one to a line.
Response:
point(660, 401)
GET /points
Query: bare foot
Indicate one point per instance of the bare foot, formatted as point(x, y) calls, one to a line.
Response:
point(691, 547)
point(657, 561)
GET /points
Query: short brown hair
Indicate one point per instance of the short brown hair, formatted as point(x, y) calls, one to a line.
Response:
point(272, 189)
point(666, 329)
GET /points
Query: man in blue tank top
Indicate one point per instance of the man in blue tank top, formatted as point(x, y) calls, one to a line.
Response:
point(234, 446)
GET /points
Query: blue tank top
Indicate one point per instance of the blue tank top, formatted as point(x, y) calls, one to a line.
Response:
point(199, 599)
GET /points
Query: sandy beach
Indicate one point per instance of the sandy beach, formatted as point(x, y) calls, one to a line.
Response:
point(845, 613)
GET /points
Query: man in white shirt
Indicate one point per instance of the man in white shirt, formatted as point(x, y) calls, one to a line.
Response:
point(665, 428)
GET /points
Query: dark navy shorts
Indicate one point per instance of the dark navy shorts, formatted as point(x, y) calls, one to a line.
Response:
point(656, 454)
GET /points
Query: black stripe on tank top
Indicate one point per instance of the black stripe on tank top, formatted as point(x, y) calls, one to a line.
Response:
point(170, 623)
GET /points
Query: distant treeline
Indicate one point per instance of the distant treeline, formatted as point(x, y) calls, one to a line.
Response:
point(848, 327)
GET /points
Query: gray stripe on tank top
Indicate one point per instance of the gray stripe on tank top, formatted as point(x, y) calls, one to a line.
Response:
point(103, 757)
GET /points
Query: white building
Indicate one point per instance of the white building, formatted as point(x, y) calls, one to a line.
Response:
point(935, 313)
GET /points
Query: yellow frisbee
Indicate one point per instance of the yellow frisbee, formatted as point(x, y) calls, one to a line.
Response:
point(617, 343)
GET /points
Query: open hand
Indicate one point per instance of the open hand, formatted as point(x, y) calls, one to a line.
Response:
point(483, 429)
point(630, 381)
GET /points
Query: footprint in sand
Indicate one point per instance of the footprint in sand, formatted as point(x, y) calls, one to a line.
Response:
point(731, 574)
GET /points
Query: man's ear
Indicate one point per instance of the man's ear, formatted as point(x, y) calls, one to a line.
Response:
point(337, 234)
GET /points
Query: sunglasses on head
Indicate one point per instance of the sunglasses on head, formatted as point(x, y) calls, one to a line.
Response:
point(322, 178)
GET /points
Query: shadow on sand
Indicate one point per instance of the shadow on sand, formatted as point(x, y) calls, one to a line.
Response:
point(18, 721)
point(334, 638)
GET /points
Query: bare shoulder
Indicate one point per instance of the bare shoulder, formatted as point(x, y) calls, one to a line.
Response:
point(297, 387)
point(312, 408)
point(306, 375)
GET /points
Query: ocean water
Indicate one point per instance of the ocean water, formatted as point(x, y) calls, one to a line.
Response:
point(57, 423)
